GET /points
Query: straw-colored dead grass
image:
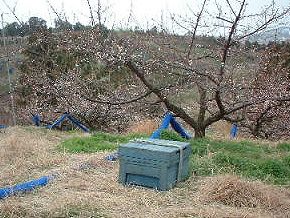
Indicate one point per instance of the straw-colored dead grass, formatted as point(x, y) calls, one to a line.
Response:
point(27, 152)
point(233, 191)
point(88, 186)
point(221, 128)
point(144, 126)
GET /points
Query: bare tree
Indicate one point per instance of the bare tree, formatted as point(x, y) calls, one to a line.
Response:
point(222, 93)
point(200, 80)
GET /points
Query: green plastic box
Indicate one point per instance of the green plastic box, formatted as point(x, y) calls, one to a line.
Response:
point(154, 163)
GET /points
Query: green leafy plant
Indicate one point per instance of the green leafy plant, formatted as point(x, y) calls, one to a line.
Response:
point(172, 136)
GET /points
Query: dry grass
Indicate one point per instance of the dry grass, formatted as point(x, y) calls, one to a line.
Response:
point(222, 128)
point(144, 126)
point(233, 191)
point(88, 186)
point(25, 153)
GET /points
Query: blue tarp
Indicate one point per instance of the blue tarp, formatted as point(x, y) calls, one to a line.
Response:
point(169, 119)
point(234, 131)
point(24, 187)
point(37, 122)
point(2, 127)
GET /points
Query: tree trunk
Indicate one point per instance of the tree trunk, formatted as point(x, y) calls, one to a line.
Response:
point(199, 132)
point(256, 129)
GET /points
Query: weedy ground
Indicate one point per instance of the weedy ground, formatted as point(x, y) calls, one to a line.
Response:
point(223, 183)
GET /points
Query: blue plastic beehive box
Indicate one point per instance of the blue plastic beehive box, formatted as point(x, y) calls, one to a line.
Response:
point(154, 163)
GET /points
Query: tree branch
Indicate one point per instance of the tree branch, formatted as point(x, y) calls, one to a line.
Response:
point(117, 103)
point(53, 9)
point(219, 102)
point(91, 12)
point(171, 107)
point(246, 104)
point(179, 24)
point(195, 29)
point(226, 48)
point(231, 7)
point(192, 70)
point(223, 19)
point(13, 12)
point(229, 40)
point(99, 11)
point(264, 25)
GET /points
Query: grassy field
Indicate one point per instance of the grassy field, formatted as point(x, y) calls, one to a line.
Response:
point(266, 162)
point(231, 178)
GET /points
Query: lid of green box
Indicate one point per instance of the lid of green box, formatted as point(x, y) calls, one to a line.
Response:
point(156, 145)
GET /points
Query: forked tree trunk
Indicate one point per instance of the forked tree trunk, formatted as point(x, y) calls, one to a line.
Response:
point(199, 132)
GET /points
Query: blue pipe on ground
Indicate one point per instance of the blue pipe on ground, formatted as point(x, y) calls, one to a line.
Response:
point(25, 187)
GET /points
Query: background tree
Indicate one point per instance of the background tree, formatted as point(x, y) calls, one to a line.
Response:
point(63, 25)
point(13, 29)
point(34, 24)
point(270, 119)
point(37, 24)
point(78, 27)
point(58, 68)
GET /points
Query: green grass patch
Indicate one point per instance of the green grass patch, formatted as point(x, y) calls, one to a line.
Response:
point(97, 142)
point(247, 159)
point(103, 141)
point(284, 146)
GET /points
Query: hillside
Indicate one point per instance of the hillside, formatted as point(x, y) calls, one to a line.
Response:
point(88, 186)
point(276, 34)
